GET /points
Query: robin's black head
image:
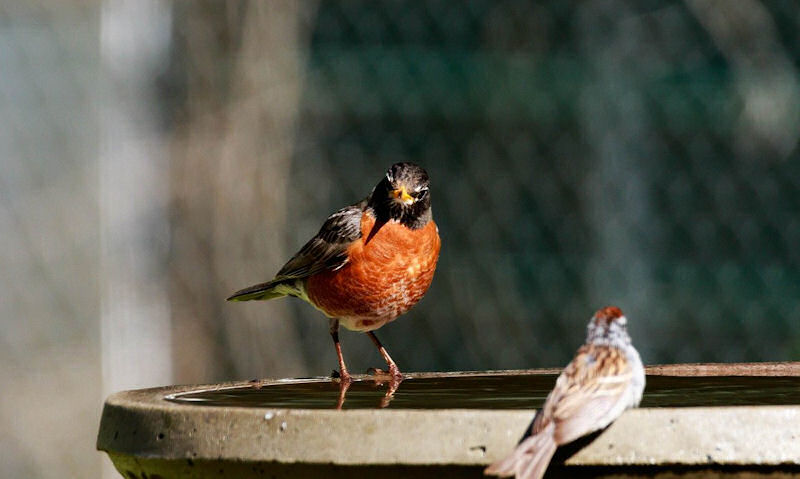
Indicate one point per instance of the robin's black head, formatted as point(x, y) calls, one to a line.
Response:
point(403, 195)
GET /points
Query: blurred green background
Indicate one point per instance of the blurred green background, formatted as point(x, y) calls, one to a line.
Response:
point(157, 156)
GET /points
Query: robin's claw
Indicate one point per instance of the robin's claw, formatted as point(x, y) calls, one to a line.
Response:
point(379, 375)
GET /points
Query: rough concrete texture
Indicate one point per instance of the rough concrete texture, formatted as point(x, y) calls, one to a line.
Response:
point(139, 429)
point(763, 435)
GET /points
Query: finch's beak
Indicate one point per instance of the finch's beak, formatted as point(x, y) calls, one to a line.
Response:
point(402, 195)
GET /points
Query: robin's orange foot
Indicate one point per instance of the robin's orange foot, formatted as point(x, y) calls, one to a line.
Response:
point(394, 371)
point(370, 262)
point(342, 378)
point(380, 375)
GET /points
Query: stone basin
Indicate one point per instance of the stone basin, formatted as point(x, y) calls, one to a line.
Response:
point(696, 420)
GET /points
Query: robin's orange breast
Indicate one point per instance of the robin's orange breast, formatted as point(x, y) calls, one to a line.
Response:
point(388, 271)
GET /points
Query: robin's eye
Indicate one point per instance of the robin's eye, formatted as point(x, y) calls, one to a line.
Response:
point(420, 194)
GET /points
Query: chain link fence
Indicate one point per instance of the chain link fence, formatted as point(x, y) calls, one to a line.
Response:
point(581, 154)
point(642, 154)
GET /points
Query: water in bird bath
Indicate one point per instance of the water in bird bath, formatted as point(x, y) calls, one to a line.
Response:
point(491, 391)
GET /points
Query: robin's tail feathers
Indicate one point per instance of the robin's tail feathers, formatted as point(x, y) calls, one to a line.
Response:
point(529, 460)
point(265, 291)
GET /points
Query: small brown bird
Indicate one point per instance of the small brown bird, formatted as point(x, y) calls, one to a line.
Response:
point(605, 378)
point(370, 262)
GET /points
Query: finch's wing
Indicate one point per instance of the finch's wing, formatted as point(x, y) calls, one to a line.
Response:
point(327, 251)
point(589, 393)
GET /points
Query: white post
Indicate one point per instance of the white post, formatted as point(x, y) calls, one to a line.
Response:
point(133, 169)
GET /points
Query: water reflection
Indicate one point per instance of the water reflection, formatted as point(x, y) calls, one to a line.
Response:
point(487, 392)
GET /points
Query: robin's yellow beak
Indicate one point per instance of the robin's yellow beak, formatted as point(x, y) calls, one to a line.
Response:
point(402, 195)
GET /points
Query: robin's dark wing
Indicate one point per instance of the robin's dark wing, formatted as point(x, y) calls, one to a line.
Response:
point(327, 251)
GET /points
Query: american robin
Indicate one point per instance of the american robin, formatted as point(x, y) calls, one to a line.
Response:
point(370, 262)
point(605, 378)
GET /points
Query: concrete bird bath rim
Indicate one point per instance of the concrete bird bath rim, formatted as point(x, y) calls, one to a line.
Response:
point(178, 431)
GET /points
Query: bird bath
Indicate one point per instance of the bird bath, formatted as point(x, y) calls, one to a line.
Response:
point(728, 420)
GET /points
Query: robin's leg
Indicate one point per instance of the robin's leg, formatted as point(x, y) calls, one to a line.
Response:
point(394, 371)
point(343, 374)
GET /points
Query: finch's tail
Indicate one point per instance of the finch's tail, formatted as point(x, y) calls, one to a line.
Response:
point(264, 291)
point(529, 460)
